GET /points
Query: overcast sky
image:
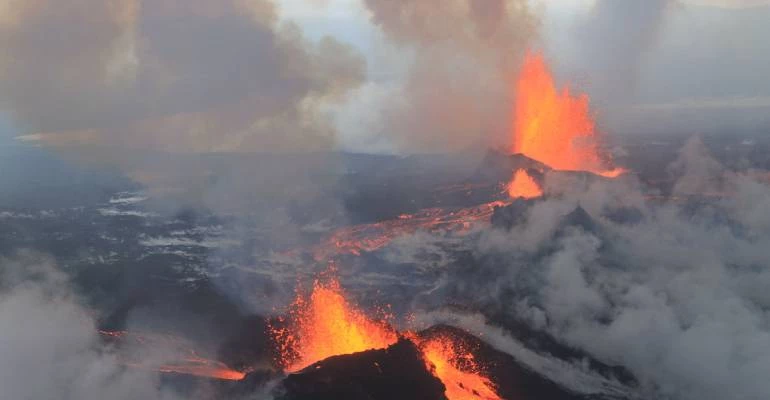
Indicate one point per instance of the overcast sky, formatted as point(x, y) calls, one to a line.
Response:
point(701, 68)
point(399, 76)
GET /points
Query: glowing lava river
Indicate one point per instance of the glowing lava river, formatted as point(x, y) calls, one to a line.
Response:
point(357, 239)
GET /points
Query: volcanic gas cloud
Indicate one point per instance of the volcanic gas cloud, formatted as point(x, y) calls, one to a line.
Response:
point(555, 126)
point(324, 323)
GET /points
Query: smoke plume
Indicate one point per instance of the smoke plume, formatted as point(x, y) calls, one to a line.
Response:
point(189, 76)
point(612, 43)
point(671, 291)
point(463, 58)
point(49, 344)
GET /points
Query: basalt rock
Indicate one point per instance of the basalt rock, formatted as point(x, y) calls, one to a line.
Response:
point(397, 372)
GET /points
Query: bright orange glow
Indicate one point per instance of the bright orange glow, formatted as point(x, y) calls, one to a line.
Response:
point(522, 185)
point(357, 239)
point(325, 325)
point(445, 358)
point(188, 362)
point(196, 367)
point(554, 126)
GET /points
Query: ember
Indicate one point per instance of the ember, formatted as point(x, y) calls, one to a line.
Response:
point(325, 324)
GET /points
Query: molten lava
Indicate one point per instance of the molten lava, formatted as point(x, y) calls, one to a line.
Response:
point(522, 185)
point(457, 369)
point(552, 126)
point(196, 367)
point(188, 362)
point(325, 324)
point(370, 237)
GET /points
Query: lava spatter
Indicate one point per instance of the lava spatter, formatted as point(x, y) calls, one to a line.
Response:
point(456, 367)
point(555, 126)
point(324, 324)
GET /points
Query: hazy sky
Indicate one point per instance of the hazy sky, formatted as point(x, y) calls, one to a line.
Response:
point(699, 67)
point(399, 76)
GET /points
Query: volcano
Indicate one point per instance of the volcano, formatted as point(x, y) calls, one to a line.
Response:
point(399, 372)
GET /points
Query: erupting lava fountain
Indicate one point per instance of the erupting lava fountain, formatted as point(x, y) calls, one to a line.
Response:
point(555, 127)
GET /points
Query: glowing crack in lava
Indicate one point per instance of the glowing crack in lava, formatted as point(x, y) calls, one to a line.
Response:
point(552, 126)
point(325, 324)
point(457, 369)
point(523, 186)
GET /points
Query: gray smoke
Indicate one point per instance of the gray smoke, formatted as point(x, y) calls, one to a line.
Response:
point(675, 294)
point(189, 76)
point(612, 44)
point(49, 345)
point(150, 85)
point(463, 61)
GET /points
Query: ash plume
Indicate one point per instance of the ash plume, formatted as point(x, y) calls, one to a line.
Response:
point(463, 57)
point(612, 43)
point(189, 76)
point(149, 86)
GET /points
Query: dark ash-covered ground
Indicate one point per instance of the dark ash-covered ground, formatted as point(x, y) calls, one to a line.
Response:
point(552, 287)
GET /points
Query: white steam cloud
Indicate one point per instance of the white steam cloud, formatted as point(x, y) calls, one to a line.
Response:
point(49, 346)
point(676, 296)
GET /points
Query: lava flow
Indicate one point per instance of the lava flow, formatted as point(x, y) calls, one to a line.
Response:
point(445, 358)
point(555, 127)
point(200, 367)
point(325, 324)
point(523, 186)
point(187, 363)
point(369, 237)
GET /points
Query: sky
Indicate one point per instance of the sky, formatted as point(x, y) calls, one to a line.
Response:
point(370, 76)
point(701, 70)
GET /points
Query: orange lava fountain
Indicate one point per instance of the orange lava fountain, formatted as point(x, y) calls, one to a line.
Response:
point(552, 126)
point(523, 186)
point(325, 325)
point(444, 358)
